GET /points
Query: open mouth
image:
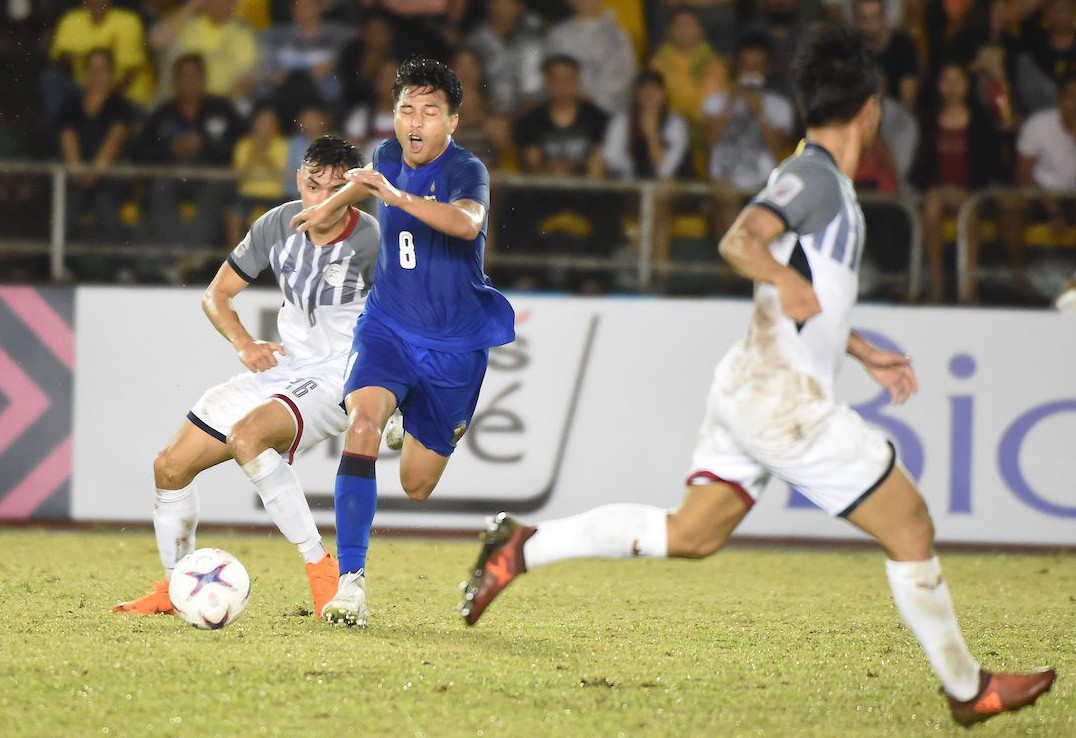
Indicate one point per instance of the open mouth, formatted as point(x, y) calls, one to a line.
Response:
point(414, 143)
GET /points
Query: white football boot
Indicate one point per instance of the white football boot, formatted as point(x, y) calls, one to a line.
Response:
point(348, 605)
point(394, 431)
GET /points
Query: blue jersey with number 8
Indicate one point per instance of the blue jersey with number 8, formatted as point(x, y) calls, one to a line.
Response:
point(431, 288)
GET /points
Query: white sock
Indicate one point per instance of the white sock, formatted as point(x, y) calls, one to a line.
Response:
point(175, 518)
point(611, 531)
point(285, 502)
point(923, 600)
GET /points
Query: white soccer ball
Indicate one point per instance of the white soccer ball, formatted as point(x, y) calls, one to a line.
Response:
point(209, 588)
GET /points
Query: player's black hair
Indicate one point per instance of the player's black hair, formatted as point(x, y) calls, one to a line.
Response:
point(331, 152)
point(833, 74)
point(424, 73)
point(555, 59)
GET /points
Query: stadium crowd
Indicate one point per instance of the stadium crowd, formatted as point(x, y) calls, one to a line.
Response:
point(979, 93)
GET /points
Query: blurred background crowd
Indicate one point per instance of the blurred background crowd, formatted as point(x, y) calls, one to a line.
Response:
point(979, 94)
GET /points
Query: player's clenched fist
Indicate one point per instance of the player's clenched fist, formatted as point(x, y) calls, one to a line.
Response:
point(257, 356)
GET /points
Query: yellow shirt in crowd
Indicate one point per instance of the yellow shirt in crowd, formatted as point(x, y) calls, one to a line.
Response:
point(230, 51)
point(121, 32)
point(263, 177)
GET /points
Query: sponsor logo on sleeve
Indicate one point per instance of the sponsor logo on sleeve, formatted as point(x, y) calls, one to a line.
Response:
point(785, 189)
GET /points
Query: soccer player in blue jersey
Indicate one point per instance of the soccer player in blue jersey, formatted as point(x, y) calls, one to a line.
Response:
point(423, 342)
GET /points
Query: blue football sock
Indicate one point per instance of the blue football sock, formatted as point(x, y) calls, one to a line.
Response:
point(356, 501)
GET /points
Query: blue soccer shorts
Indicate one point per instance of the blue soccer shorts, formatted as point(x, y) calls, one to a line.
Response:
point(437, 391)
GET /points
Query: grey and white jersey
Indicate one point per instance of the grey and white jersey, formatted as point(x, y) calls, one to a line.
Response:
point(324, 287)
point(824, 243)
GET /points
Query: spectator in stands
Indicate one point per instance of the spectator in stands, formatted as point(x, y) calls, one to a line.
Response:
point(603, 50)
point(479, 130)
point(1048, 42)
point(363, 56)
point(299, 60)
point(426, 27)
point(509, 45)
point(97, 25)
point(210, 29)
point(691, 68)
point(562, 137)
point(842, 12)
point(197, 129)
point(94, 128)
point(312, 122)
point(894, 50)
point(749, 129)
point(780, 24)
point(1046, 161)
point(368, 124)
point(260, 160)
point(718, 18)
point(651, 140)
point(957, 154)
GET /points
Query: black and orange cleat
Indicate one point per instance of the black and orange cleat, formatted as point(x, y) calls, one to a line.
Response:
point(1000, 693)
point(499, 562)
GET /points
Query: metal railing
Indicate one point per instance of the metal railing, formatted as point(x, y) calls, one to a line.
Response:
point(648, 193)
point(969, 274)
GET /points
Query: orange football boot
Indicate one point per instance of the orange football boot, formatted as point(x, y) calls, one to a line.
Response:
point(156, 602)
point(324, 577)
point(1000, 693)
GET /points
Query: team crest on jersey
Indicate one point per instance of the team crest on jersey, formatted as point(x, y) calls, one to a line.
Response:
point(333, 275)
point(785, 189)
point(458, 431)
point(431, 196)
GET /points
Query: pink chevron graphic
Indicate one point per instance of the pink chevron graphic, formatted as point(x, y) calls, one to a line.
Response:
point(28, 402)
point(41, 482)
point(52, 330)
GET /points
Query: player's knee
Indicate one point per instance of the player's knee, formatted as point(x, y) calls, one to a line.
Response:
point(418, 490)
point(169, 472)
point(363, 434)
point(246, 440)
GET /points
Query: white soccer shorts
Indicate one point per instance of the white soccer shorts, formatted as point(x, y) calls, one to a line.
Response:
point(312, 397)
point(791, 428)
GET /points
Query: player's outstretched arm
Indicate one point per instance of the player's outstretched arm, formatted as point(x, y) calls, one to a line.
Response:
point(257, 356)
point(746, 247)
point(460, 219)
point(321, 213)
point(891, 370)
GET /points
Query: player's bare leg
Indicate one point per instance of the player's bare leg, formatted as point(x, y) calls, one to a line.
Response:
point(175, 509)
point(897, 517)
point(257, 442)
point(705, 520)
point(356, 500)
point(420, 468)
point(700, 527)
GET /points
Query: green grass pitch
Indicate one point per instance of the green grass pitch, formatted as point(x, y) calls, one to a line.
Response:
point(775, 642)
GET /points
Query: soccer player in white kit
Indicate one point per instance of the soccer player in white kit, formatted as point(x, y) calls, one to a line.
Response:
point(289, 399)
point(771, 409)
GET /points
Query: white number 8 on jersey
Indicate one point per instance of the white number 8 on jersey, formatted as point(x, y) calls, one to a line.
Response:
point(407, 250)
